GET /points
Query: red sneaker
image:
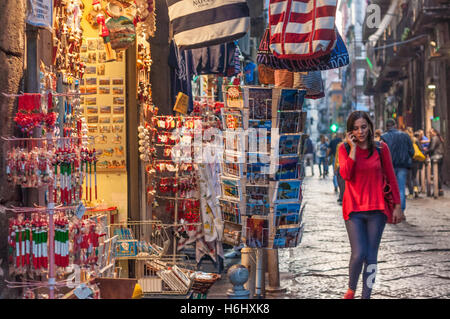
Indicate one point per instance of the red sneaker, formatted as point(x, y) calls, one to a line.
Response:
point(350, 294)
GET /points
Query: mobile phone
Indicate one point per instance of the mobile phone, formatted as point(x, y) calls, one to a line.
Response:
point(353, 137)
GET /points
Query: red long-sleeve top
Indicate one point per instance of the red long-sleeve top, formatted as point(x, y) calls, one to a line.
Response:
point(364, 180)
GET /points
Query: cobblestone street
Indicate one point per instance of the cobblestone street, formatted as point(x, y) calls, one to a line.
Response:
point(413, 261)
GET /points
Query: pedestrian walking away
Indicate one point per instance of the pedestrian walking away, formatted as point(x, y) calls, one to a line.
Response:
point(332, 156)
point(322, 151)
point(402, 152)
point(363, 205)
point(309, 153)
point(436, 153)
point(340, 180)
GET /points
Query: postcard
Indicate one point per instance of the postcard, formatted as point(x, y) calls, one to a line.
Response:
point(257, 173)
point(289, 145)
point(287, 168)
point(104, 90)
point(232, 233)
point(231, 118)
point(265, 124)
point(105, 109)
point(101, 69)
point(101, 57)
point(91, 90)
point(91, 81)
point(231, 188)
point(117, 81)
point(105, 129)
point(118, 100)
point(92, 119)
point(117, 90)
point(104, 120)
point(118, 119)
point(91, 110)
point(288, 191)
point(90, 101)
point(257, 200)
point(257, 232)
point(289, 122)
point(286, 214)
point(100, 44)
point(91, 69)
point(92, 44)
point(104, 81)
point(260, 103)
point(118, 110)
point(291, 100)
point(230, 211)
point(288, 237)
point(234, 96)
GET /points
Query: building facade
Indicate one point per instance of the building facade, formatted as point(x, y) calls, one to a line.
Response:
point(408, 65)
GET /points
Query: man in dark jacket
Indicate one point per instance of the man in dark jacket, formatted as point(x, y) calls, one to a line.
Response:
point(402, 152)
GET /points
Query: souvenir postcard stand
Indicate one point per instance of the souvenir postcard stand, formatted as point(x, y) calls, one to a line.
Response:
point(259, 105)
point(263, 194)
point(289, 120)
point(233, 178)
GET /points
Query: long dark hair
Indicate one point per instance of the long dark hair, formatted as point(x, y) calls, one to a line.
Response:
point(356, 115)
point(437, 134)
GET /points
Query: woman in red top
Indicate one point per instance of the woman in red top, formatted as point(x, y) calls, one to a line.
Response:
point(363, 202)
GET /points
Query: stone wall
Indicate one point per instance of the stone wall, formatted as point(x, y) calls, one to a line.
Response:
point(12, 53)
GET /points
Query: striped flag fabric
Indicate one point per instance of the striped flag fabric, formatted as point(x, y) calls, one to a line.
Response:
point(202, 23)
point(302, 28)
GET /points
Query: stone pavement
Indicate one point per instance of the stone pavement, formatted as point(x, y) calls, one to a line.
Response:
point(413, 260)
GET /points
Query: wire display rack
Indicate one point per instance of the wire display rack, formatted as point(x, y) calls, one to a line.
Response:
point(158, 270)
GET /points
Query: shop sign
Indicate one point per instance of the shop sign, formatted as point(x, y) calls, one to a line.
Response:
point(40, 13)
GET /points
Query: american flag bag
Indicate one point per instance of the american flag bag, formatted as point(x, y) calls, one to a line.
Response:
point(302, 29)
point(203, 23)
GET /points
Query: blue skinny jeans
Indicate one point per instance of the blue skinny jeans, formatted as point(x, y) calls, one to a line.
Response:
point(364, 232)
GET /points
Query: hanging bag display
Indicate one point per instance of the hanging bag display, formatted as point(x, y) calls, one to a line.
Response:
point(311, 82)
point(284, 78)
point(302, 28)
point(266, 74)
point(204, 23)
point(337, 58)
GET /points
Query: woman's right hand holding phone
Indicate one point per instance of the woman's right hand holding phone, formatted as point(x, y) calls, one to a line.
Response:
point(350, 139)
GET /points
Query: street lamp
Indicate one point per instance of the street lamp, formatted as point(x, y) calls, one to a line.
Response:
point(431, 85)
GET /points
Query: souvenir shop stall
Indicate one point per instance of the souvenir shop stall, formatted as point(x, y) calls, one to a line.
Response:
point(71, 139)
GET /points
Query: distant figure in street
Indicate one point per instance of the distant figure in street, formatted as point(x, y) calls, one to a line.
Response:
point(332, 155)
point(417, 165)
point(309, 154)
point(436, 153)
point(411, 182)
point(377, 136)
point(340, 180)
point(425, 141)
point(322, 152)
point(363, 205)
point(402, 152)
